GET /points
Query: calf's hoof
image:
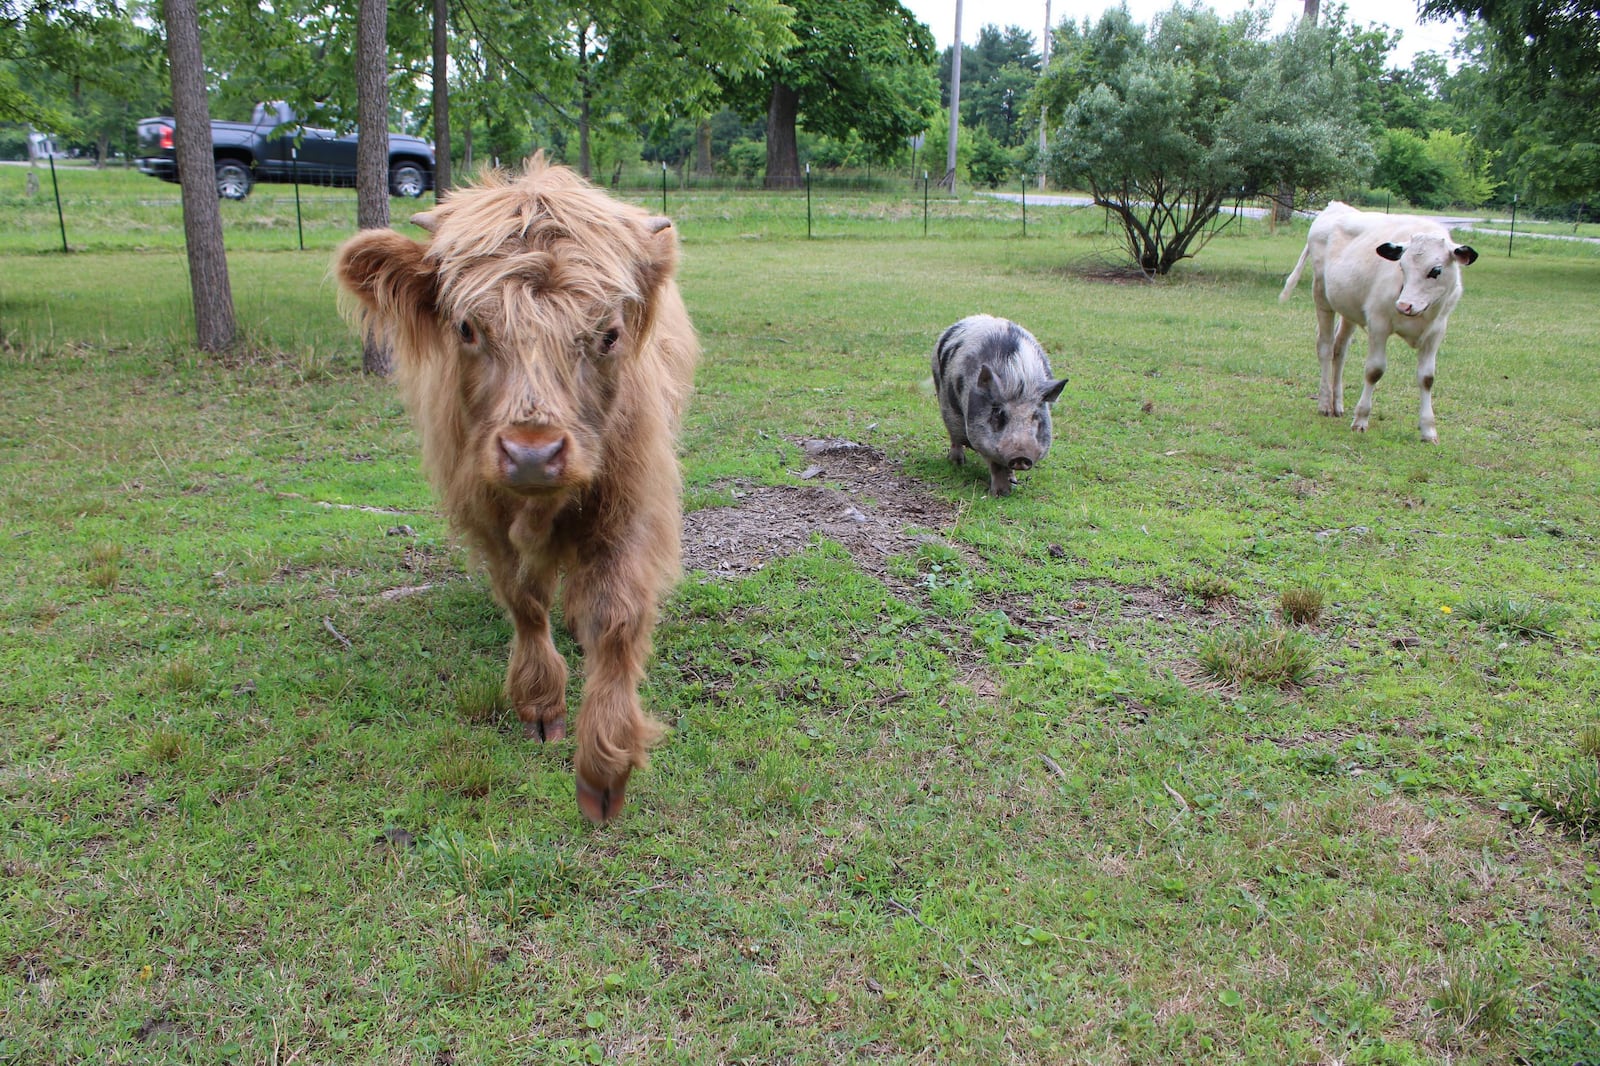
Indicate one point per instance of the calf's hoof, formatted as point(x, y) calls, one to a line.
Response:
point(602, 803)
point(554, 729)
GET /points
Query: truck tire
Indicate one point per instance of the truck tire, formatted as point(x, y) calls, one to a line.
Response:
point(407, 179)
point(233, 179)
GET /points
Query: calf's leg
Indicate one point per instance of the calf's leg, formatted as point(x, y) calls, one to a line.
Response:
point(536, 677)
point(1377, 360)
point(1425, 361)
point(1328, 398)
point(611, 606)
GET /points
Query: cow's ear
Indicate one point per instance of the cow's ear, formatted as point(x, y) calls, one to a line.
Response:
point(661, 252)
point(1465, 254)
point(390, 279)
point(1052, 390)
point(1392, 252)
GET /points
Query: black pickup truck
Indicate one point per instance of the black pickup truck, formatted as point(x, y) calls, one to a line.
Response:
point(275, 146)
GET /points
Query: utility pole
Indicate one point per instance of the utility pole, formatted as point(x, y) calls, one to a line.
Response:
point(949, 178)
point(1044, 112)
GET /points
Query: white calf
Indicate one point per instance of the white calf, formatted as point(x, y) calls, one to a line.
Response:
point(1351, 253)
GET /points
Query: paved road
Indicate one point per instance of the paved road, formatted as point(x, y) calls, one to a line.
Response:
point(1476, 225)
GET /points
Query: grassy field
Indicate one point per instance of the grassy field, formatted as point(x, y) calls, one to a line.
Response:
point(1231, 736)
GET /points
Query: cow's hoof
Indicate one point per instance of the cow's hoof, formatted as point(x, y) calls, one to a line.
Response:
point(554, 729)
point(600, 805)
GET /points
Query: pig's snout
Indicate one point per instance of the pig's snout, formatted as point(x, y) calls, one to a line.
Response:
point(1022, 462)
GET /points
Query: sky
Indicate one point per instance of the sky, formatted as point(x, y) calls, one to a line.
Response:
point(940, 16)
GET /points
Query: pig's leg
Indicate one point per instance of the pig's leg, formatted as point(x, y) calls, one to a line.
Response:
point(1000, 479)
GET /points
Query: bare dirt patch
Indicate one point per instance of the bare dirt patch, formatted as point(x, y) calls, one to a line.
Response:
point(874, 513)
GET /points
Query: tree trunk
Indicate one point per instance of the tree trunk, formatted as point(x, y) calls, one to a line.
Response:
point(1283, 198)
point(583, 102)
point(949, 178)
point(202, 213)
point(466, 145)
point(441, 96)
point(702, 149)
point(372, 146)
point(783, 150)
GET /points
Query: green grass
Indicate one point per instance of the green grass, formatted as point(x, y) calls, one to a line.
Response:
point(987, 807)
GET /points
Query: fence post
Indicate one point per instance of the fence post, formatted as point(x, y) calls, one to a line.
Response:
point(294, 170)
point(1024, 204)
point(924, 203)
point(663, 187)
point(808, 201)
point(1513, 225)
point(60, 218)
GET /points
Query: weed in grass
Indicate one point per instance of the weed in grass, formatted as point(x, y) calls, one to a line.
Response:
point(1264, 653)
point(464, 967)
point(1527, 618)
point(1473, 1003)
point(467, 773)
point(105, 566)
point(1572, 799)
point(1209, 588)
point(481, 700)
point(1302, 604)
point(166, 746)
point(1589, 740)
point(180, 675)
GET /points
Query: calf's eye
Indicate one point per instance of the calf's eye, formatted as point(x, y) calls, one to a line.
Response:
point(1435, 272)
point(468, 332)
point(608, 340)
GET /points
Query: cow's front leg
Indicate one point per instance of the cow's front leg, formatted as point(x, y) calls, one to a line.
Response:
point(611, 605)
point(1425, 361)
point(1377, 361)
point(536, 677)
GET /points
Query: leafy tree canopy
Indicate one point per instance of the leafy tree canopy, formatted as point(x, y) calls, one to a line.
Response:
point(1168, 124)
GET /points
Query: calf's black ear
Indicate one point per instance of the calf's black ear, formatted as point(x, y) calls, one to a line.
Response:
point(1392, 252)
point(1465, 254)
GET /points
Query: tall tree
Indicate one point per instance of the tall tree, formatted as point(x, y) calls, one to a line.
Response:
point(1540, 64)
point(1196, 113)
point(202, 213)
point(866, 65)
point(441, 96)
point(372, 148)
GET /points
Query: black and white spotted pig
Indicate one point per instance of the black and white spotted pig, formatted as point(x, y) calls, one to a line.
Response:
point(995, 391)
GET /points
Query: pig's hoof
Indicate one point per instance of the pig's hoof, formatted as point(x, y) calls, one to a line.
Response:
point(600, 805)
point(543, 731)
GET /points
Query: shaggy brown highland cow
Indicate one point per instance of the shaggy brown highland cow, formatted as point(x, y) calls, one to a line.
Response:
point(544, 352)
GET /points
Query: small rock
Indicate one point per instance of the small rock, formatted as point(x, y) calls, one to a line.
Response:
point(396, 838)
point(401, 531)
point(810, 472)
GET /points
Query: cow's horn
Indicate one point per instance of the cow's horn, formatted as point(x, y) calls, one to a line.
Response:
point(426, 219)
point(657, 223)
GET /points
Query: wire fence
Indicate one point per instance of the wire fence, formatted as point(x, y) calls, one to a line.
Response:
point(81, 209)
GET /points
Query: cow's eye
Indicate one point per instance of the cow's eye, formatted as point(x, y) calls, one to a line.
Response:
point(1435, 272)
point(608, 341)
point(467, 332)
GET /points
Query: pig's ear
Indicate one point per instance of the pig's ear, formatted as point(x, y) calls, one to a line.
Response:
point(985, 382)
point(388, 284)
point(1052, 390)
